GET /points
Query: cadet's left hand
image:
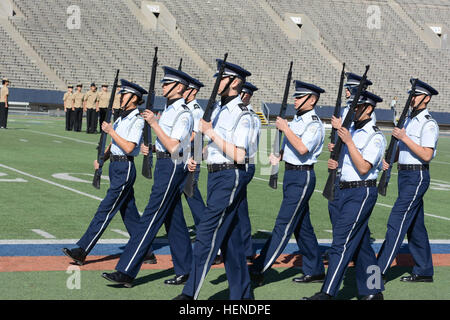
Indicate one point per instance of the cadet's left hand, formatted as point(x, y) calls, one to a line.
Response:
point(345, 135)
point(400, 134)
point(107, 127)
point(281, 124)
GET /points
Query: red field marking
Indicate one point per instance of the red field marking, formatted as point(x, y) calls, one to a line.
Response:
point(53, 263)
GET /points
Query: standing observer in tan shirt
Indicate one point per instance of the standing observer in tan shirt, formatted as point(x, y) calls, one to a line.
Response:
point(4, 94)
point(78, 108)
point(102, 103)
point(68, 107)
point(90, 106)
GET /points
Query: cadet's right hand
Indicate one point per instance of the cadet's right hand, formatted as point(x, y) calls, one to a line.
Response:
point(385, 165)
point(191, 164)
point(145, 150)
point(96, 165)
point(330, 147)
point(332, 164)
point(336, 122)
point(274, 160)
point(149, 116)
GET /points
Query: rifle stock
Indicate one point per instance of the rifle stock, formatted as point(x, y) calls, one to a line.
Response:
point(190, 180)
point(392, 149)
point(148, 159)
point(328, 191)
point(103, 136)
point(273, 180)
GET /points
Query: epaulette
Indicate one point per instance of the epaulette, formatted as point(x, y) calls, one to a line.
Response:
point(315, 118)
point(376, 129)
point(243, 108)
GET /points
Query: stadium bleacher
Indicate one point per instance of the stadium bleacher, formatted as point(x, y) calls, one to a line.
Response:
point(112, 37)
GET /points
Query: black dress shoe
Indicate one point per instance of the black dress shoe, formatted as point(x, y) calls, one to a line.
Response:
point(150, 259)
point(217, 260)
point(376, 296)
point(177, 280)
point(319, 296)
point(78, 255)
point(310, 279)
point(416, 278)
point(183, 297)
point(119, 277)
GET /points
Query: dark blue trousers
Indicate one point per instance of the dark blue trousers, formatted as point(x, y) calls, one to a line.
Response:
point(246, 228)
point(120, 196)
point(220, 228)
point(293, 218)
point(164, 206)
point(407, 218)
point(351, 240)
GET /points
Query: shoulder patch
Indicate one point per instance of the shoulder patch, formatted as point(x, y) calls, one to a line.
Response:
point(196, 106)
point(376, 129)
point(315, 118)
point(428, 117)
point(243, 108)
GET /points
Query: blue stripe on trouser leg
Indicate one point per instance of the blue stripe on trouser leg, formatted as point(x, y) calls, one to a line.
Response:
point(224, 195)
point(246, 228)
point(122, 176)
point(407, 218)
point(312, 263)
point(167, 178)
point(298, 187)
point(196, 203)
point(179, 240)
point(349, 228)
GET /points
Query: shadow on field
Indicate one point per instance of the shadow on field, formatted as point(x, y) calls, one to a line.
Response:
point(349, 289)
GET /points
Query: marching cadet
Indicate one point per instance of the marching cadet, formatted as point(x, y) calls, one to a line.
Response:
point(228, 134)
point(196, 203)
point(116, 104)
point(90, 100)
point(126, 135)
point(416, 148)
point(302, 145)
point(357, 195)
point(102, 103)
point(68, 107)
point(78, 97)
point(4, 94)
point(164, 206)
point(247, 93)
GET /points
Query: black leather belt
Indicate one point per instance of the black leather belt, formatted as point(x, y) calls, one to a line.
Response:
point(224, 166)
point(165, 155)
point(413, 167)
point(114, 158)
point(288, 166)
point(357, 184)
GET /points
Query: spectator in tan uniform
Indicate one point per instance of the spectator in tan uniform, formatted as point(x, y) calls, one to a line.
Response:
point(90, 106)
point(68, 107)
point(4, 94)
point(78, 108)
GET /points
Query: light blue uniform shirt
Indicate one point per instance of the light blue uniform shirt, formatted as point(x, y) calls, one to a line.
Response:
point(129, 128)
point(177, 123)
point(310, 129)
point(233, 126)
point(371, 144)
point(197, 113)
point(255, 133)
point(424, 131)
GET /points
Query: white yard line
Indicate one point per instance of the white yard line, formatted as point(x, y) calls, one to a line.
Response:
point(123, 233)
point(52, 183)
point(62, 137)
point(44, 234)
